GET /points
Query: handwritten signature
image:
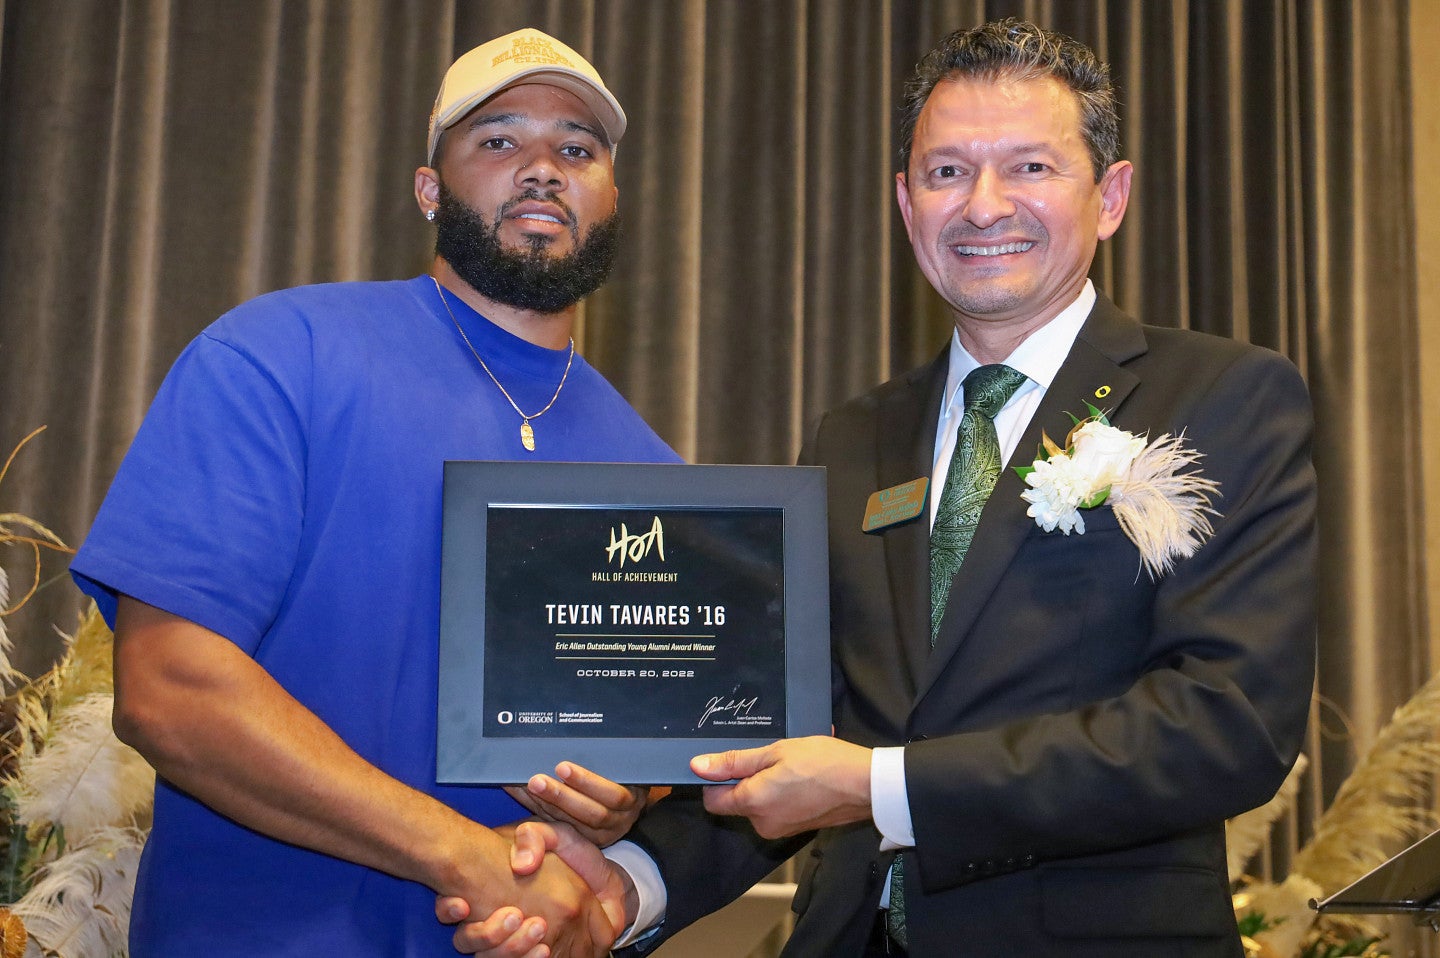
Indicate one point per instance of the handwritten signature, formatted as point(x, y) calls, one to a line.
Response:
point(735, 708)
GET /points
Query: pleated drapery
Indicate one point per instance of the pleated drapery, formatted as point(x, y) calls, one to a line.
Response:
point(163, 160)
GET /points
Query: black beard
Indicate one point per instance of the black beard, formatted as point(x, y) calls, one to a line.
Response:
point(525, 279)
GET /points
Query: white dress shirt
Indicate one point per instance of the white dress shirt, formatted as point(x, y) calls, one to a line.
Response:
point(1039, 357)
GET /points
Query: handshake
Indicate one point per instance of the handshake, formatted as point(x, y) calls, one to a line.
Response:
point(570, 900)
point(583, 912)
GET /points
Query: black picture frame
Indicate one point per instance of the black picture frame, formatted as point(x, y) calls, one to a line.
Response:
point(530, 531)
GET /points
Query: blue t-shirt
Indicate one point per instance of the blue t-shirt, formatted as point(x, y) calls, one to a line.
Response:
point(285, 492)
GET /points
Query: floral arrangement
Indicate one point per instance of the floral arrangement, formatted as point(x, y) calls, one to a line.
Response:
point(1163, 510)
point(76, 801)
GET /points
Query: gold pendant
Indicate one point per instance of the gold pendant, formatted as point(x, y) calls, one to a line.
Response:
point(527, 436)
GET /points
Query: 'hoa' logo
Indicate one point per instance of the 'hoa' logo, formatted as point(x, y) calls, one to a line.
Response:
point(638, 546)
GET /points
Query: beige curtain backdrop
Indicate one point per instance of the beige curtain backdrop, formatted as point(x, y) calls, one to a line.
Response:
point(163, 160)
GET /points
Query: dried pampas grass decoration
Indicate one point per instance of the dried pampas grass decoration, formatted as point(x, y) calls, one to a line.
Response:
point(17, 529)
point(7, 671)
point(1383, 804)
point(82, 778)
point(79, 801)
point(88, 665)
point(80, 902)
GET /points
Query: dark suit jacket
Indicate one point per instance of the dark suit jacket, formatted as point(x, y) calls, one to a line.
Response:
point(1080, 733)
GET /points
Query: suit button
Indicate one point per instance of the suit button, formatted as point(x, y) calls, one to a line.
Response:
point(970, 868)
point(1028, 861)
point(1009, 864)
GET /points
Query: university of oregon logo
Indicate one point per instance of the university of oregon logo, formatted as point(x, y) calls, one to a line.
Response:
point(638, 546)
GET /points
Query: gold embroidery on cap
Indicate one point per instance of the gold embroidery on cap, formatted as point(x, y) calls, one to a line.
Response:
point(532, 50)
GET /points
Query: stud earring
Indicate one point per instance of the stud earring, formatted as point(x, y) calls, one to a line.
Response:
point(430, 215)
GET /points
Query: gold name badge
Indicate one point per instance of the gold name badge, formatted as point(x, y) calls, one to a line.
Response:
point(896, 504)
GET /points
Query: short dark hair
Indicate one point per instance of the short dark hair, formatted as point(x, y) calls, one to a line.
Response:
point(1020, 50)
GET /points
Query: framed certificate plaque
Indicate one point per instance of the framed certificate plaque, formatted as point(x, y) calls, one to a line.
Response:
point(628, 617)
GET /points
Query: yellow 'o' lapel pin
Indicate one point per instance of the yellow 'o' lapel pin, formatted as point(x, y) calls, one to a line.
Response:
point(1102, 392)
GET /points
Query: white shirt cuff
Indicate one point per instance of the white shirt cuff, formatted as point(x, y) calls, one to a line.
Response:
point(889, 799)
point(649, 886)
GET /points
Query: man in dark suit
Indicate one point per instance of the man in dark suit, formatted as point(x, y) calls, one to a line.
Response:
point(1052, 757)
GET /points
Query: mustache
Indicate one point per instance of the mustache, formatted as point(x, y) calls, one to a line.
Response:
point(1020, 226)
point(533, 194)
point(964, 235)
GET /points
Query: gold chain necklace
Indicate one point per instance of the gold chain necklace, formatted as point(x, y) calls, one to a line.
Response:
point(527, 433)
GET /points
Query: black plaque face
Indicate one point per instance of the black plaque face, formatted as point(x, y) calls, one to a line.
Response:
point(628, 617)
point(624, 623)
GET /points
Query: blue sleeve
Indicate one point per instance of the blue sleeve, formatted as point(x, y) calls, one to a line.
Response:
point(203, 519)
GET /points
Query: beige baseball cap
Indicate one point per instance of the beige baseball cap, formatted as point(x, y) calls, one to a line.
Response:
point(523, 55)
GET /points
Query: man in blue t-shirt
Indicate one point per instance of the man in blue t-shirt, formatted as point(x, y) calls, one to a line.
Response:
point(269, 551)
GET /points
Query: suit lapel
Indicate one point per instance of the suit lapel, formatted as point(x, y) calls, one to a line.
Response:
point(1091, 373)
point(906, 448)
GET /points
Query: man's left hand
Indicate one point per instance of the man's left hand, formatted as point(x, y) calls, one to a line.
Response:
point(602, 811)
point(795, 785)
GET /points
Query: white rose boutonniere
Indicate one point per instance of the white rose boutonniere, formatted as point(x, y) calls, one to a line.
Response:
point(1164, 511)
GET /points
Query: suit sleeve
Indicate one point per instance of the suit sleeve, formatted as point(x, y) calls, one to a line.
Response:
point(706, 861)
point(1213, 716)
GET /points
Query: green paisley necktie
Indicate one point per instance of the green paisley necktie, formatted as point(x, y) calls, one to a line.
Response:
point(974, 470)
